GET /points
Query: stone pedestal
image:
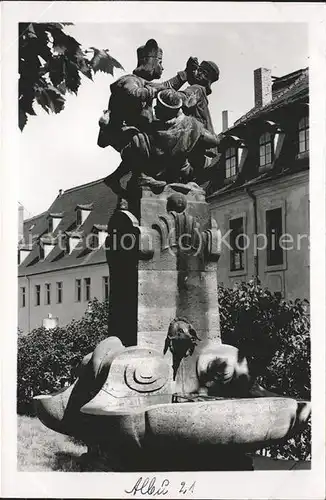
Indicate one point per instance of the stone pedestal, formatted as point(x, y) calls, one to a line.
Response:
point(162, 254)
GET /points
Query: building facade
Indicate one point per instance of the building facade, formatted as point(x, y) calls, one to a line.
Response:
point(62, 263)
point(259, 188)
point(258, 191)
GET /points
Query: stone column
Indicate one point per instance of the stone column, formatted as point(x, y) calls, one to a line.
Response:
point(162, 257)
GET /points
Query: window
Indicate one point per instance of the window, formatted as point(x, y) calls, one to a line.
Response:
point(78, 290)
point(304, 134)
point(237, 244)
point(93, 241)
point(22, 296)
point(72, 243)
point(81, 214)
point(266, 149)
point(78, 217)
point(101, 238)
point(47, 249)
point(22, 254)
point(87, 288)
point(47, 294)
point(273, 233)
point(106, 287)
point(59, 292)
point(37, 295)
point(50, 225)
point(231, 163)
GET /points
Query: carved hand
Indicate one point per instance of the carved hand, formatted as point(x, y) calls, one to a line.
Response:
point(191, 68)
point(105, 118)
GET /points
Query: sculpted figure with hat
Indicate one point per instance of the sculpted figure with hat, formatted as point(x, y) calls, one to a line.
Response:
point(130, 104)
point(195, 103)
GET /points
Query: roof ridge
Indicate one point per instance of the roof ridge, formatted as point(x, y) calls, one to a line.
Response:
point(35, 216)
point(75, 188)
point(282, 93)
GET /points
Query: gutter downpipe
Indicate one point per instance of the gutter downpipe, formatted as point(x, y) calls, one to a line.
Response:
point(254, 203)
point(29, 303)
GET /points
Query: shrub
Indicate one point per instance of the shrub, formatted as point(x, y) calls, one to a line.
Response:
point(274, 334)
point(47, 359)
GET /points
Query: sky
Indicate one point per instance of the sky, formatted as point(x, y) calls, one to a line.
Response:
point(60, 151)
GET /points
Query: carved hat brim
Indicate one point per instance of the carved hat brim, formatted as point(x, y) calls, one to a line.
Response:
point(160, 99)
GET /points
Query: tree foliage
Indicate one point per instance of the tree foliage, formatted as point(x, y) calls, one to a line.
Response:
point(274, 335)
point(52, 63)
point(47, 359)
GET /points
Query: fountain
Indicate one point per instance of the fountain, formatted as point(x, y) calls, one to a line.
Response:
point(145, 400)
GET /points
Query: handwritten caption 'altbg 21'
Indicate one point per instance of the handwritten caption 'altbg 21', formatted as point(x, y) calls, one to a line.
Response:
point(152, 487)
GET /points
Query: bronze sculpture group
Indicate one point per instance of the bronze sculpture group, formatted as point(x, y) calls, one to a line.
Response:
point(170, 141)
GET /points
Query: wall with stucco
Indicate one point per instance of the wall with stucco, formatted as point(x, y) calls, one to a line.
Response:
point(31, 316)
point(292, 194)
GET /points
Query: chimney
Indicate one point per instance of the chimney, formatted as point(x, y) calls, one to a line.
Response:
point(263, 86)
point(225, 120)
point(20, 222)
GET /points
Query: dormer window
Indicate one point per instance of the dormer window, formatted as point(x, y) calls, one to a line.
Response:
point(53, 222)
point(72, 241)
point(46, 247)
point(97, 237)
point(78, 217)
point(304, 134)
point(92, 241)
point(23, 253)
point(101, 238)
point(82, 212)
point(266, 149)
point(100, 233)
point(231, 162)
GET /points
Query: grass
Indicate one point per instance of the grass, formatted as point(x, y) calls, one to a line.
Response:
point(41, 449)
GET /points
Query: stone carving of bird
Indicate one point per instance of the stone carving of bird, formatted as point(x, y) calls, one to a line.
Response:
point(181, 340)
point(102, 61)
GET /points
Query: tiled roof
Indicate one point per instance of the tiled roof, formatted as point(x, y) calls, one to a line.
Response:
point(286, 89)
point(264, 177)
point(94, 194)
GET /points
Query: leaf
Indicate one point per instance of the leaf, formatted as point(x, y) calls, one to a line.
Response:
point(49, 98)
point(22, 119)
point(57, 70)
point(102, 61)
point(72, 78)
point(61, 41)
point(83, 64)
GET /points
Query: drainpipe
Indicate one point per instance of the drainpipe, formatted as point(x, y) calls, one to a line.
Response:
point(254, 203)
point(29, 303)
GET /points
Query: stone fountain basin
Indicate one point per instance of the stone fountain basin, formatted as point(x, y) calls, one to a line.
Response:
point(248, 424)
